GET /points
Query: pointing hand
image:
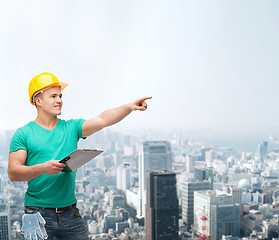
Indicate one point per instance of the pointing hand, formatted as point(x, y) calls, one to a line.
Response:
point(139, 104)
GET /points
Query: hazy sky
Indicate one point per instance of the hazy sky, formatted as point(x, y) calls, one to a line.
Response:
point(209, 65)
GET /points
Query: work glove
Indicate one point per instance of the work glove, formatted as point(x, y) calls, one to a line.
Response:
point(33, 226)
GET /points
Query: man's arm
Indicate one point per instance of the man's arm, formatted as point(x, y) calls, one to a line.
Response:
point(17, 171)
point(112, 116)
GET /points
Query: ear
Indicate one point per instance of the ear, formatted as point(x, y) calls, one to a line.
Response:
point(38, 102)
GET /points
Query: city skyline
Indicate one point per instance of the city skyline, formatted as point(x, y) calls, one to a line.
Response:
point(108, 193)
point(247, 143)
point(211, 66)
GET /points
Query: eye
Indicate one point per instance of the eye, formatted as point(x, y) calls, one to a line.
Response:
point(60, 95)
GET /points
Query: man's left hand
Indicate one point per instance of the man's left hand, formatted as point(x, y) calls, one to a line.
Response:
point(139, 104)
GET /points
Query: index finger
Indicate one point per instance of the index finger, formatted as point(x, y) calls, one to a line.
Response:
point(144, 98)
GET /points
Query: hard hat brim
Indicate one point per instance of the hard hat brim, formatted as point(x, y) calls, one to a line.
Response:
point(63, 85)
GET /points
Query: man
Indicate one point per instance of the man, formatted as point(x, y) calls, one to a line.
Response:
point(35, 151)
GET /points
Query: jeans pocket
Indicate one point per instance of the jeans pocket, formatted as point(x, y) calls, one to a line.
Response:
point(76, 213)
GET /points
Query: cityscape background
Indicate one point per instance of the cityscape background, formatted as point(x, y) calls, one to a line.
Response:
point(155, 185)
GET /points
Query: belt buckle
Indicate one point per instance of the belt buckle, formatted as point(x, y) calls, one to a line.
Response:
point(58, 211)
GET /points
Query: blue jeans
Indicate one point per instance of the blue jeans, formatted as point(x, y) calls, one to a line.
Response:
point(65, 225)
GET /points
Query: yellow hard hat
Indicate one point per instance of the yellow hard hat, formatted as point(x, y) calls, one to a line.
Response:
point(43, 81)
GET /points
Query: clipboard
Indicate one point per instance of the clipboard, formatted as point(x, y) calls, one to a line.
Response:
point(78, 158)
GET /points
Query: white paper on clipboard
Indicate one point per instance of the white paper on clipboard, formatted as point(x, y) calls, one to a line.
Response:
point(78, 158)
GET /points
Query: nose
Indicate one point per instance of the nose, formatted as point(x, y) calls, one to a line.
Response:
point(59, 100)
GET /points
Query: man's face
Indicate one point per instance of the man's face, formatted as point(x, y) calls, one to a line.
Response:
point(50, 101)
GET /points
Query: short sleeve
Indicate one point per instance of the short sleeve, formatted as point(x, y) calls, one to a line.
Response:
point(18, 141)
point(79, 123)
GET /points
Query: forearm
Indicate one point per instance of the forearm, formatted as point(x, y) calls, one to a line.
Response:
point(20, 173)
point(115, 115)
point(112, 116)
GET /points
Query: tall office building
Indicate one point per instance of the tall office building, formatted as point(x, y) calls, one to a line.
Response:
point(190, 164)
point(161, 221)
point(204, 173)
point(225, 220)
point(80, 174)
point(153, 156)
point(4, 226)
point(188, 189)
point(203, 151)
point(209, 156)
point(263, 151)
point(123, 176)
point(236, 193)
point(223, 216)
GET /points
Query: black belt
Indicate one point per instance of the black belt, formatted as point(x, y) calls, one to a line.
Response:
point(57, 210)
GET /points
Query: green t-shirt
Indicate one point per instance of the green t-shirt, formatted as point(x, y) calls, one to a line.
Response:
point(41, 144)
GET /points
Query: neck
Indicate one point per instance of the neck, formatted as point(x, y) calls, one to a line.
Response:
point(48, 122)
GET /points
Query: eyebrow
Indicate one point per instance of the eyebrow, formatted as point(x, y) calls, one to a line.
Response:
point(56, 94)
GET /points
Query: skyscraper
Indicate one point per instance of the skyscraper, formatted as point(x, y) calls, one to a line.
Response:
point(263, 151)
point(188, 189)
point(203, 151)
point(236, 193)
point(225, 220)
point(161, 221)
point(4, 226)
point(123, 176)
point(153, 156)
point(223, 216)
point(204, 173)
point(190, 164)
